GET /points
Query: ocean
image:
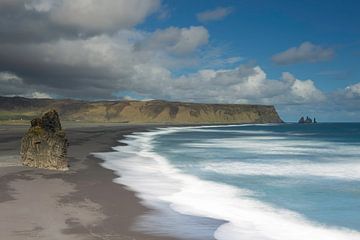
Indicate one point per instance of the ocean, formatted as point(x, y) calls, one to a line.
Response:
point(263, 182)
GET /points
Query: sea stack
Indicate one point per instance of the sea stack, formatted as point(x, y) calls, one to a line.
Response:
point(302, 120)
point(45, 144)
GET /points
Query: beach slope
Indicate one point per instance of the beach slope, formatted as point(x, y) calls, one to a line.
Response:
point(82, 203)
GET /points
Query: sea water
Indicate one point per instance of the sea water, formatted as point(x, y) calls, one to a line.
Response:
point(266, 182)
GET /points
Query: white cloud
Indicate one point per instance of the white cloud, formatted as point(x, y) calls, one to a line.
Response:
point(306, 52)
point(40, 95)
point(11, 84)
point(353, 91)
point(8, 77)
point(178, 40)
point(306, 92)
point(103, 66)
point(215, 14)
point(90, 15)
point(232, 60)
point(129, 60)
point(245, 84)
point(40, 5)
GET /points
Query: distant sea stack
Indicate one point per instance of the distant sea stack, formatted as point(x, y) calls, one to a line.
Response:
point(45, 144)
point(139, 112)
point(306, 120)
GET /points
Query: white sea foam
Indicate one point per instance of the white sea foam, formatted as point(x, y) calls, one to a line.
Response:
point(203, 129)
point(346, 171)
point(272, 145)
point(156, 182)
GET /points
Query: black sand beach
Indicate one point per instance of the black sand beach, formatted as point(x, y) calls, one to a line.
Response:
point(82, 203)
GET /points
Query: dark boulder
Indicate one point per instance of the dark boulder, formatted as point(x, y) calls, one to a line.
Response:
point(45, 144)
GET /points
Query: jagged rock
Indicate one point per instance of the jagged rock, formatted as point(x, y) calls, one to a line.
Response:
point(45, 144)
point(307, 120)
point(301, 120)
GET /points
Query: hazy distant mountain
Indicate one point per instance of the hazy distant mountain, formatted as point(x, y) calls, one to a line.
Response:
point(155, 111)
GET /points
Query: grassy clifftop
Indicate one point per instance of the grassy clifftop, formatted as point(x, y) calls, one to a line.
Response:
point(17, 109)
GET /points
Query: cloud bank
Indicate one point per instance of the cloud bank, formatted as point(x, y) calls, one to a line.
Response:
point(306, 52)
point(214, 15)
point(46, 20)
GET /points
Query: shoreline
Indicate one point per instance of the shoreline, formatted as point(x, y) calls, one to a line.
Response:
point(241, 209)
point(82, 203)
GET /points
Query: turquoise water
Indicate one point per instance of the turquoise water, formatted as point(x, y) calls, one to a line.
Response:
point(311, 169)
point(283, 182)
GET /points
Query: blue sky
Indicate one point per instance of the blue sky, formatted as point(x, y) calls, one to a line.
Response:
point(301, 56)
point(258, 29)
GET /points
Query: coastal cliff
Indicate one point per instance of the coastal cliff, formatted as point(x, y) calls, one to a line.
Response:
point(137, 112)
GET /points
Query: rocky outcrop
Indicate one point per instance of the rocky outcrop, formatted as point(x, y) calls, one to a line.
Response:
point(45, 144)
point(302, 120)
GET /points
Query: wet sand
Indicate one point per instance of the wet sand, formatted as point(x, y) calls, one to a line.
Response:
point(82, 203)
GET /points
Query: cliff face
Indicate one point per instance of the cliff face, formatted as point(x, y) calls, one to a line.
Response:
point(138, 111)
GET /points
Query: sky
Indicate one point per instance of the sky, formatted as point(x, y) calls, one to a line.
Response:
point(301, 56)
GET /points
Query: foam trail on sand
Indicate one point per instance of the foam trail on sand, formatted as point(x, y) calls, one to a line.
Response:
point(156, 181)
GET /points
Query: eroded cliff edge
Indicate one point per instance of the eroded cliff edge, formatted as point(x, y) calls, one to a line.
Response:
point(137, 112)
